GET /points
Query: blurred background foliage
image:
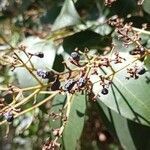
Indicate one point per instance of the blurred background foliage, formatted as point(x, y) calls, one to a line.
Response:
point(65, 26)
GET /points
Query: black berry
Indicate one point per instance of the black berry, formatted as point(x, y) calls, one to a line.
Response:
point(141, 71)
point(75, 56)
point(56, 85)
point(41, 73)
point(104, 91)
point(69, 85)
point(46, 74)
point(50, 75)
point(81, 82)
point(39, 54)
point(9, 116)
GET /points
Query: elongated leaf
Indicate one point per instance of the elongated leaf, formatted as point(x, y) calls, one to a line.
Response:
point(75, 123)
point(74, 126)
point(131, 135)
point(67, 17)
point(87, 39)
point(130, 98)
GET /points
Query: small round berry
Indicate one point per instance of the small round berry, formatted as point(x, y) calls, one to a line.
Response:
point(39, 54)
point(133, 52)
point(141, 71)
point(75, 56)
point(9, 116)
point(104, 91)
point(46, 74)
point(41, 73)
point(69, 85)
point(56, 85)
point(81, 82)
point(50, 75)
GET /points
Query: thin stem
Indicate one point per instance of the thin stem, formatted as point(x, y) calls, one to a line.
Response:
point(29, 70)
point(33, 107)
point(21, 102)
point(141, 30)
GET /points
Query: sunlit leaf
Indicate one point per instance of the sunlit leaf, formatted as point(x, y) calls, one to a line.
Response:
point(67, 17)
point(130, 98)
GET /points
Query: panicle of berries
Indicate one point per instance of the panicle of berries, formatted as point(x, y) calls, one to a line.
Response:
point(105, 83)
point(125, 31)
point(9, 116)
point(118, 58)
point(139, 50)
point(135, 71)
point(46, 74)
point(68, 86)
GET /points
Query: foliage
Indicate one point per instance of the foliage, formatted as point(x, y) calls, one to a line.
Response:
point(65, 63)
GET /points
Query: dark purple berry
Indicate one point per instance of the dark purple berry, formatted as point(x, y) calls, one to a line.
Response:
point(141, 71)
point(133, 52)
point(75, 56)
point(9, 116)
point(56, 85)
point(69, 85)
point(50, 75)
point(41, 73)
point(81, 82)
point(39, 54)
point(104, 91)
point(136, 51)
point(46, 74)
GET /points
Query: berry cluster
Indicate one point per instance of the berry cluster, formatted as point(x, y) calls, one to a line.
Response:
point(135, 71)
point(46, 74)
point(9, 116)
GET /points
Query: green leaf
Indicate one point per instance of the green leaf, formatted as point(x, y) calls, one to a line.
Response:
point(67, 17)
point(130, 98)
point(75, 123)
point(131, 135)
point(123, 7)
point(146, 6)
point(87, 39)
point(58, 66)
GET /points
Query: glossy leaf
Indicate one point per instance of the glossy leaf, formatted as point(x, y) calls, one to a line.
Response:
point(130, 98)
point(87, 39)
point(58, 65)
